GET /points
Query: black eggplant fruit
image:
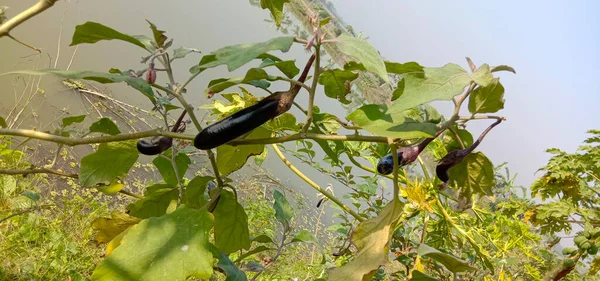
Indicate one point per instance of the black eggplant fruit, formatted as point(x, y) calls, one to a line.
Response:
point(159, 144)
point(455, 157)
point(406, 155)
point(249, 118)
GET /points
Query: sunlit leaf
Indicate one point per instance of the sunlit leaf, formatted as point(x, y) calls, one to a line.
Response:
point(283, 210)
point(304, 236)
point(373, 118)
point(232, 158)
point(259, 159)
point(337, 83)
point(171, 247)
point(194, 191)
point(276, 9)
point(482, 76)
point(110, 189)
point(365, 53)
point(402, 68)
point(67, 121)
point(420, 276)
point(438, 84)
point(231, 224)
point(105, 126)
point(109, 162)
point(156, 202)
point(450, 262)
point(372, 239)
point(108, 228)
point(283, 122)
point(487, 99)
point(475, 174)
point(92, 32)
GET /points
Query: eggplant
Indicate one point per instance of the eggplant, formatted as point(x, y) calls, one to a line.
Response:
point(249, 118)
point(457, 156)
point(154, 146)
point(406, 155)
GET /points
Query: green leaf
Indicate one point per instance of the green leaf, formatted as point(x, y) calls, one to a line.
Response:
point(452, 142)
point(483, 76)
point(252, 76)
point(438, 84)
point(159, 35)
point(372, 239)
point(324, 22)
point(72, 120)
point(108, 228)
point(365, 53)
point(155, 203)
point(165, 167)
point(503, 68)
point(337, 83)
point(3, 122)
point(194, 192)
point(288, 67)
point(283, 210)
point(488, 99)
point(232, 158)
point(420, 276)
point(109, 162)
point(232, 272)
point(101, 77)
point(276, 9)
point(451, 263)
point(34, 196)
point(402, 68)
point(92, 32)
point(182, 52)
point(286, 121)
point(262, 239)
point(171, 247)
point(373, 118)
point(231, 224)
point(110, 189)
point(105, 126)
point(475, 174)
point(252, 252)
point(304, 236)
point(259, 159)
point(238, 55)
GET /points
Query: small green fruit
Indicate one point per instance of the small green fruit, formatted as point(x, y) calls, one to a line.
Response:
point(585, 245)
point(569, 263)
point(592, 250)
point(595, 232)
point(579, 240)
point(569, 251)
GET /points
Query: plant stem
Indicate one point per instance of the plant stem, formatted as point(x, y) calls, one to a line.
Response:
point(34, 10)
point(25, 211)
point(37, 171)
point(314, 185)
point(394, 147)
point(313, 88)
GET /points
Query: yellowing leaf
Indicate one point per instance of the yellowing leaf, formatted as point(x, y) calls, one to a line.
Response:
point(109, 228)
point(115, 242)
point(372, 238)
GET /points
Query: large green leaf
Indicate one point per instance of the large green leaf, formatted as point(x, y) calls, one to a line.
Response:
point(238, 55)
point(109, 162)
point(286, 121)
point(373, 118)
point(475, 174)
point(195, 190)
point(101, 77)
point(165, 167)
point(254, 76)
point(402, 68)
point(231, 224)
point(92, 32)
point(364, 52)
point(159, 198)
point(438, 84)
point(450, 262)
point(283, 210)
point(287, 67)
point(105, 126)
point(276, 9)
point(453, 143)
point(337, 83)
point(109, 228)
point(372, 239)
point(487, 99)
point(232, 272)
point(232, 158)
point(171, 247)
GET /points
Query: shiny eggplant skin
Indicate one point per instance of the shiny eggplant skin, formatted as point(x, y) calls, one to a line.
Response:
point(238, 124)
point(385, 166)
point(154, 146)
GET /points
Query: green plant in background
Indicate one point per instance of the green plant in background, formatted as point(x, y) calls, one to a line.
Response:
point(437, 225)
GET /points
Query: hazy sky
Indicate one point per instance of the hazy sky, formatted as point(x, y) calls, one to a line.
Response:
point(553, 45)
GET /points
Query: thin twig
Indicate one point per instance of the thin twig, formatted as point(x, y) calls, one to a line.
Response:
point(34, 10)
